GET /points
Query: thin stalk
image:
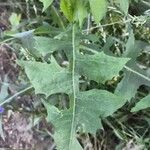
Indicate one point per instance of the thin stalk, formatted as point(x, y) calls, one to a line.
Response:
point(73, 87)
point(7, 40)
point(88, 49)
point(139, 74)
point(105, 25)
point(15, 95)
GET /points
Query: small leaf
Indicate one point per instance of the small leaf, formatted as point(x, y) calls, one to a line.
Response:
point(48, 78)
point(15, 21)
point(46, 4)
point(98, 9)
point(67, 7)
point(142, 104)
point(81, 11)
point(100, 67)
point(124, 5)
point(4, 89)
point(130, 44)
point(133, 78)
point(48, 45)
point(2, 134)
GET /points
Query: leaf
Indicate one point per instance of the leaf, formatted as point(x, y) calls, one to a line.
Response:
point(133, 48)
point(62, 123)
point(47, 29)
point(130, 45)
point(48, 45)
point(14, 20)
point(133, 78)
point(48, 78)
point(133, 75)
point(142, 104)
point(100, 67)
point(81, 11)
point(4, 89)
point(98, 9)
point(67, 7)
point(90, 105)
point(28, 42)
point(2, 134)
point(93, 104)
point(46, 3)
point(124, 5)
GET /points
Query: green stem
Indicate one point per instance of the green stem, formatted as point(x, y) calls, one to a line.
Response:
point(15, 95)
point(88, 49)
point(105, 25)
point(73, 87)
point(139, 74)
point(7, 40)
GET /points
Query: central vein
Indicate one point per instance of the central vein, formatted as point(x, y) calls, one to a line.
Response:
point(74, 88)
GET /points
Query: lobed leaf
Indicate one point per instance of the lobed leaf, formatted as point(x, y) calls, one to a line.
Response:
point(100, 67)
point(142, 104)
point(48, 78)
point(133, 78)
point(98, 9)
point(90, 106)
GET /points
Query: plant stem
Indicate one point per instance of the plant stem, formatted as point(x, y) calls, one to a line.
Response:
point(105, 25)
point(15, 95)
point(73, 87)
point(7, 40)
point(88, 49)
point(139, 74)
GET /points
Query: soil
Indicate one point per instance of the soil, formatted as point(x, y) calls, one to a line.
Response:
point(17, 130)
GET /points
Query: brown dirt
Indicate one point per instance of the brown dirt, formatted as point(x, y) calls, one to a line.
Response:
point(17, 127)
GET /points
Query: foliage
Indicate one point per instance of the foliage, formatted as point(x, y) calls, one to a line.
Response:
point(88, 46)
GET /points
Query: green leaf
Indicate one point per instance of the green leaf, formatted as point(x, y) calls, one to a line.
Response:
point(14, 20)
point(133, 47)
point(98, 9)
point(28, 42)
point(142, 104)
point(48, 78)
point(46, 3)
point(130, 45)
point(100, 67)
point(133, 75)
point(62, 123)
point(4, 89)
point(89, 108)
point(48, 45)
point(47, 29)
point(94, 104)
point(2, 134)
point(124, 5)
point(81, 11)
point(67, 7)
point(133, 78)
